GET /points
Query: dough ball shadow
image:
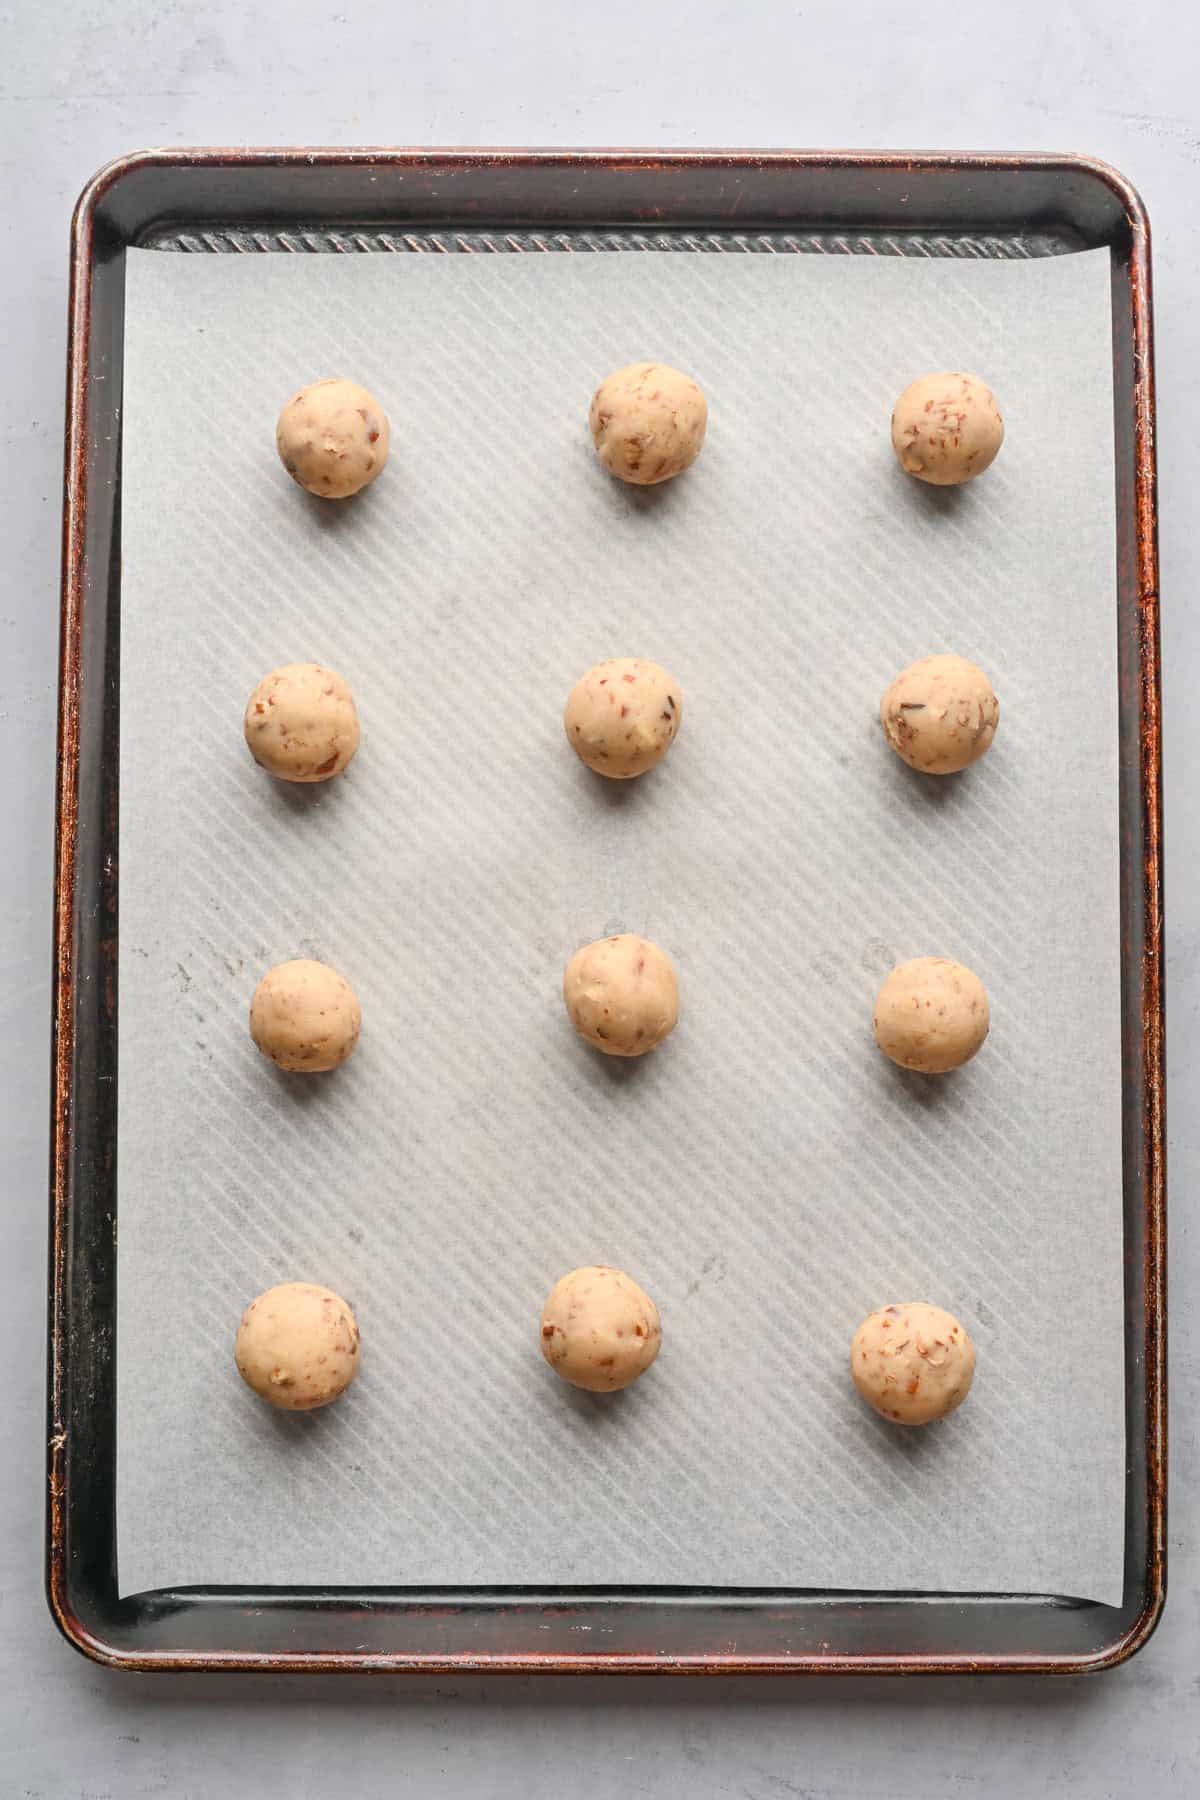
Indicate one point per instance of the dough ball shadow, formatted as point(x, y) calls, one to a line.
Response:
point(338, 515)
point(620, 1072)
point(618, 794)
point(295, 1428)
point(931, 501)
point(595, 1409)
point(296, 796)
point(928, 1093)
point(626, 498)
point(651, 499)
point(317, 1087)
point(932, 792)
point(914, 1443)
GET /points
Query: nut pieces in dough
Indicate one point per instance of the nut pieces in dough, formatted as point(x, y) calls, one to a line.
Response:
point(305, 1016)
point(599, 1329)
point(931, 1014)
point(333, 437)
point(298, 1346)
point(622, 994)
point(622, 716)
point(912, 1363)
point(946, 428)
point(301, 723)
point(648, 422)
point(940, 714)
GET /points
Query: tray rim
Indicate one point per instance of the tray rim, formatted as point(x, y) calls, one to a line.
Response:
point(105, 1649)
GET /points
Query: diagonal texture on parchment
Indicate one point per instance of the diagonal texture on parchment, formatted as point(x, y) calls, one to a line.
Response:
point(766, 1175)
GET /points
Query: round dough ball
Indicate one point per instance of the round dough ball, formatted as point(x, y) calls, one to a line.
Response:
point(333, 437)
point(297, 1346)
point(305, 1016)
point(301, 723)
point(940, 714)
point(622, 716)
point(648, 422)
point(931, 1014)
point(912, 1363)
point(599, 1329)
point(622, 994)
point(946, 428)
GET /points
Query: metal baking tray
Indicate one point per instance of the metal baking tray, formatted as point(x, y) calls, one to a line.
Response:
point(414, 201)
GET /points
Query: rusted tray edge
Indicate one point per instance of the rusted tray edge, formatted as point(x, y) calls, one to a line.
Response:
point(1132, 335)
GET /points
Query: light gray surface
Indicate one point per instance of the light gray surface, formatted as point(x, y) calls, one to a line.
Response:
point(82, 83)
point(474, 1150)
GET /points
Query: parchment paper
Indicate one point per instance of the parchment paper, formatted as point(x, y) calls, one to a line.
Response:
point(767, 1175)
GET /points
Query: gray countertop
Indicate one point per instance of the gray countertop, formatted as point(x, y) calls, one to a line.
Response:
point(82, 82)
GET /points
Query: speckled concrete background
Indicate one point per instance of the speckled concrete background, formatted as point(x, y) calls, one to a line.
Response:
point(79, 85)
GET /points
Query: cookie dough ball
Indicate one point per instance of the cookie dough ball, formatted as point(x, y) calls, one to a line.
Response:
point(301, 723)
point(622, 994)
point(940, 714)
point(333, 437)
point(931, 1014)
point(648, 422)
point(946, 428)
point(297, 1346)
point(599, 1329)
point(622, 716)
point(912, 1363)
point(305, 1016)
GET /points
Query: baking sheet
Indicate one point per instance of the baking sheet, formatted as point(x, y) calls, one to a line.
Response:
point(766, 1174)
